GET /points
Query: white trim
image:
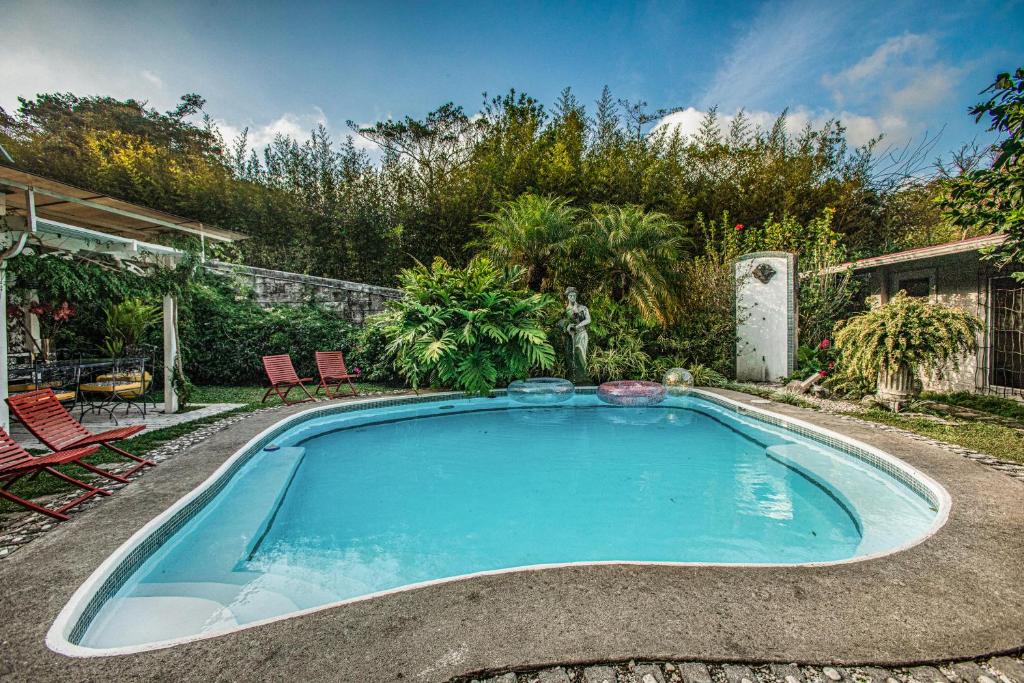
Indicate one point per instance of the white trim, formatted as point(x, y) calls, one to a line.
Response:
point(131, 246)
point(118, 211)
point(57, 641)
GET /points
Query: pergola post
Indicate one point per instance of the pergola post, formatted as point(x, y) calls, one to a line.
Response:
point(5, 418)
point(35, 338)
point(170, 352)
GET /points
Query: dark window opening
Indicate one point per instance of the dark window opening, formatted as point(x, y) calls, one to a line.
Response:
point(1007, 333)
point(917, 286)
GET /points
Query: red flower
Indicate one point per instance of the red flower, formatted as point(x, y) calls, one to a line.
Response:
point(739, 226)
point(64, 312)
point(822, 373)
point(39, 309)
point(13, 311)
point(825, 343)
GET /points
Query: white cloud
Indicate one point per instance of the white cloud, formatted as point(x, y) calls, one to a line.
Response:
point(875, 65)
point(28, 71)
point(784, 42)
point(290, 124)
point(860, 129)
point(902, 80)
point(152, 78)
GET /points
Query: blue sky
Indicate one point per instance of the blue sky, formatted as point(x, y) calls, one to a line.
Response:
point(899, 67)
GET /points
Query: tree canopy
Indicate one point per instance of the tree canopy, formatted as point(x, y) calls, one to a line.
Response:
point(328, 208)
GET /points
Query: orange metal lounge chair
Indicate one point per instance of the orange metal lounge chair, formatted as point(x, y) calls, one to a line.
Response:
point(331, 365)
point(281, 374)
point(16, 462)
point(43, 415)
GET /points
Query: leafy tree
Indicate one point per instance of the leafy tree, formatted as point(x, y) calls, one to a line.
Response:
point(992, 199)
point(533, 232)
point(632, 255)
point(469, 328)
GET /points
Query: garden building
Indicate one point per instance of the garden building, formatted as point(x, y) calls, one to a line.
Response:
point(41, 216)
point(957, 274)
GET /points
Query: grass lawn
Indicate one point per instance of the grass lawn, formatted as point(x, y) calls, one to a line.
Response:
point(994, 439)
point(145, 442)
point(994, 405)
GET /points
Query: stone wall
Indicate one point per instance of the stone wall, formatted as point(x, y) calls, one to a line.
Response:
point(354, 300)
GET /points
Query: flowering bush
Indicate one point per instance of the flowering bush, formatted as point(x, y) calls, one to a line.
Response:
point(906, 331)
point(811, 359)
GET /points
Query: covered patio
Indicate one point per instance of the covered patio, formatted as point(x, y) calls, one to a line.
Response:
point(41, 216)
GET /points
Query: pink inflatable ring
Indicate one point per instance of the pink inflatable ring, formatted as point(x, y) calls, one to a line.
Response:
point(631, 393)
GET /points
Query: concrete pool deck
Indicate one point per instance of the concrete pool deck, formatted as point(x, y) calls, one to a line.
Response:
point(959, 594)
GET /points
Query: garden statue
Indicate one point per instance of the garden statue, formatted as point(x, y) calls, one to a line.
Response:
point(577, 317)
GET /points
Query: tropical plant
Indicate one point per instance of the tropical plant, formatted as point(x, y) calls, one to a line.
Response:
point(633, 255)
point(992, 199)
point(468, 328)
point(126, 323)
point(906, 332)
point(532, 232)
point(704, 376)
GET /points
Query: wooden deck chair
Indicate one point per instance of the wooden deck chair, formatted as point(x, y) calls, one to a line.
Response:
point(43, 415)
point(331, 366)
point(16, 462)
point(281, 374)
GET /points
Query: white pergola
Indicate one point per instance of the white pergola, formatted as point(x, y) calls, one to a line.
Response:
point(45, 216)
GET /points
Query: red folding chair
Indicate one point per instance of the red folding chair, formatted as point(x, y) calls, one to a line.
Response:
point(281, 374)
point(331, 366)
point(16, 462)
point(42, 414)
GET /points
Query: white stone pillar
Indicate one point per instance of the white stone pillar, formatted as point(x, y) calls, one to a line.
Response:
point(170, 352)
point(766, 316)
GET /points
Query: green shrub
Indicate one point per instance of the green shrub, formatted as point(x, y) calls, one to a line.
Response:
point(225, 334)
point(906, 331)
point(467, 328)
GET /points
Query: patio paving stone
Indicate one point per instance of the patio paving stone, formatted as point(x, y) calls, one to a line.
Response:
point(1009, 667)
point(927, 674)
point(599, 674)
point(736, 673)
point(694, 672)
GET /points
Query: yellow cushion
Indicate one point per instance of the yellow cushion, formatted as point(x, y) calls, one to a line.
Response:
point(124, 377)
point(31, 386)
point(125, 389)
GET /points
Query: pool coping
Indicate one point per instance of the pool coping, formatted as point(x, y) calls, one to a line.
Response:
point(959, 595)
point(71, 623)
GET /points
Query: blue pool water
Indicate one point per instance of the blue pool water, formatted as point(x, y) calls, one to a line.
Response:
point(366, 501)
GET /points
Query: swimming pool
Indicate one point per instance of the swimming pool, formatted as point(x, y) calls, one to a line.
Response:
point(351, 502)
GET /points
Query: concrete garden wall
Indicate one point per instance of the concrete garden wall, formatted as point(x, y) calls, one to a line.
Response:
point(354, 300)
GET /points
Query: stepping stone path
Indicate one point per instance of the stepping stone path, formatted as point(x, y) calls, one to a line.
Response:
point(1003, 669)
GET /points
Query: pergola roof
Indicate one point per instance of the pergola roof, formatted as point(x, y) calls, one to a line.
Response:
point(960, 247)
point(68, 204)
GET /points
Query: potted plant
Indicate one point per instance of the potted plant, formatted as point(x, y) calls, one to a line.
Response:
point(907, 335)
point(51, 319)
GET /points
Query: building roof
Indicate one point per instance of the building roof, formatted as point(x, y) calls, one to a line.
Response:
point(960, 247)
point(64, 203)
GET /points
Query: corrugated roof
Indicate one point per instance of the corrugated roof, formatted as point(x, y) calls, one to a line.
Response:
point(960, 247)
point(66, 203)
